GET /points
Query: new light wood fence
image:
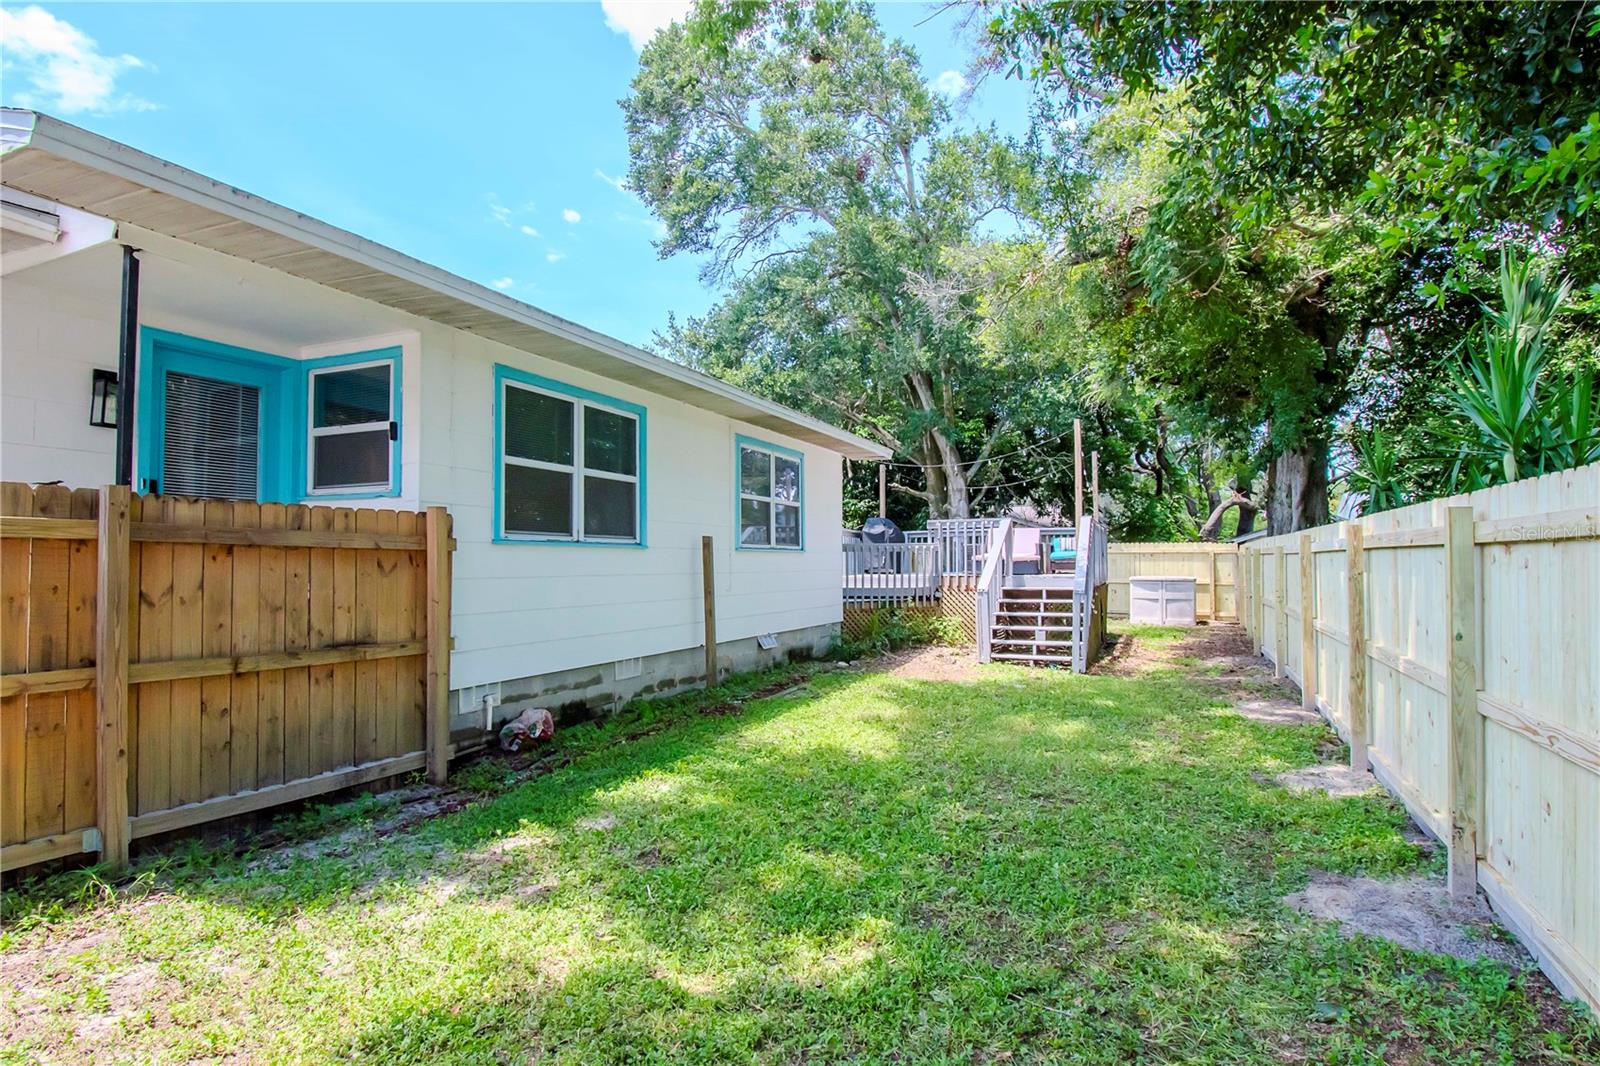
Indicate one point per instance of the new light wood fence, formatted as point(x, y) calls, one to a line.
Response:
point(1213, 566)
point(170, 661)
point(1456, 646)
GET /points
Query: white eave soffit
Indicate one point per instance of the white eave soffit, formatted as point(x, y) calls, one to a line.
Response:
point(68, 165)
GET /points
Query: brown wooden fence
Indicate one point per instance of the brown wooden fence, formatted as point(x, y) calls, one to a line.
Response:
point(170, 661)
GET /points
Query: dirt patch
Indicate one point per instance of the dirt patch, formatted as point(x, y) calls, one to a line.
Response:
point(1336, 781)
point(1273, 710)
point(932, 664)
point(1414, 912)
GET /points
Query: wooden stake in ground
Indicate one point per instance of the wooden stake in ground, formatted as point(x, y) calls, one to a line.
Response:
point(1094, 482)
point(1077, 470)
point(709, 591)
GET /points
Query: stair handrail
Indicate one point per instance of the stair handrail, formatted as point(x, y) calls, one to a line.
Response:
point(999, 563)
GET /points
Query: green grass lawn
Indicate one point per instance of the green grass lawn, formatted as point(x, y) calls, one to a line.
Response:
point(1025, 866)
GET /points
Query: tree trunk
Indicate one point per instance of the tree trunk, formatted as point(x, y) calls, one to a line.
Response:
point(957, 495)
point(1213, 524)
point(1297, 488)
point(1247, 516)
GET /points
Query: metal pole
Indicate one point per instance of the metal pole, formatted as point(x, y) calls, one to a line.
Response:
point(883, 491)
point(127, 364)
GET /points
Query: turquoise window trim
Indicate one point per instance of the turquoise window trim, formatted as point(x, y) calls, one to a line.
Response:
point(283, 476)
point(507, 374)
point(392, 356)
point(740, 442)
point(276, 376)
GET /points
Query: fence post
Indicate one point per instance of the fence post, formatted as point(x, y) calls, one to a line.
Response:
point(709, 595)
point(111, 674)
point(1216, 596)
point(1356, 627)
point(1308, 624)
point(1280, 624)
point(1466, 726)
point(440, 545)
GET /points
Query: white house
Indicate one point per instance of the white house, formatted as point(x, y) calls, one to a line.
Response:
point(282, 359)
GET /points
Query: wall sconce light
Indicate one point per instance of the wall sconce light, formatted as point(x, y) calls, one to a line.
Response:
point(103, 402)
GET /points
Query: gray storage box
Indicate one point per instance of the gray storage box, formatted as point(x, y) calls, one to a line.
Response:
point(1164, 601)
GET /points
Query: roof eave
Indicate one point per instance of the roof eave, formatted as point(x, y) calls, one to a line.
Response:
point(50, 137)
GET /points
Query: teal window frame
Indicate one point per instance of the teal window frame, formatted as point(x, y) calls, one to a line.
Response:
point(507, 377)
point(392, 356)
point(740, 443)
point(283, 475)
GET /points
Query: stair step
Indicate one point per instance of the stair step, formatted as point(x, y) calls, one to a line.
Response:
point(1031, 658)
point(1033, 614)
point(1037, 644)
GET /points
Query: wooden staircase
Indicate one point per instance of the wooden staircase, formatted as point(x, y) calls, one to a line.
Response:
point(1049, 618)
point(1034, 624)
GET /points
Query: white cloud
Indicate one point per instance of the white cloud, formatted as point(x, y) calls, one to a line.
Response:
point(63, 66)
point(619, 184)
point(951, 83)
point(502, 283)
point(641, 19)
point(499, 211)
point(554, 257)
point(571, 216)
point(529, 231)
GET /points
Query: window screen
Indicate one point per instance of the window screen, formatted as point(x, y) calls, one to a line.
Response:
point(769, 498)
point(352, 429)
point(569, 468)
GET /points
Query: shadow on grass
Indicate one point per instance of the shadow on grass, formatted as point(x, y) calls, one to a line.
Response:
point(876, 868)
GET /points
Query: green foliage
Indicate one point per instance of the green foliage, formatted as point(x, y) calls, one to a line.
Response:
point(1516, 415)
point(891, 628)
point(1434, 120)
point(1379, 472)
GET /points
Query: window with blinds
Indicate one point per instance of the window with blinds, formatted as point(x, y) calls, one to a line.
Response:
point(213, 438)
point(569, 468)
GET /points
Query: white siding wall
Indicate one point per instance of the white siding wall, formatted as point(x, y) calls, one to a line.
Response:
point(521, 610)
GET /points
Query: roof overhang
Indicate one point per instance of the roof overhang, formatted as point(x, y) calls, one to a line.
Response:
point(68, 165)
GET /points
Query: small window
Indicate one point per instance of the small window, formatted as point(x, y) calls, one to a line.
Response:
point(353, 433)
point(569, 467)
point(770, 491)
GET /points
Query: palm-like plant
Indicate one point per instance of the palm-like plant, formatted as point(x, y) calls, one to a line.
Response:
point(1378, 472)
point(1517, 418)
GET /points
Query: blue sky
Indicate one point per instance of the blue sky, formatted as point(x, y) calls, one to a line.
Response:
point(485, 138)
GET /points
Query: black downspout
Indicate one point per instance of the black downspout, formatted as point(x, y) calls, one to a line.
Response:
point(127, 365)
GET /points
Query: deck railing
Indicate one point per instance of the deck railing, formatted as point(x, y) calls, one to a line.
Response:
point(998, 566)
point(891, 573)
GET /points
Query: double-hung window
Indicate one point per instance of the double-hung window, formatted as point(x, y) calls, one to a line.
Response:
point(353, 432)
point(570, 463)
point(770, 496)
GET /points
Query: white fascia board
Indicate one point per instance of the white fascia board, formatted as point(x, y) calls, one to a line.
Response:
point(72, 143)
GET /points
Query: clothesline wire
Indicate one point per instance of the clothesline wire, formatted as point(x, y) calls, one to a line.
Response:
point(989, 459)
